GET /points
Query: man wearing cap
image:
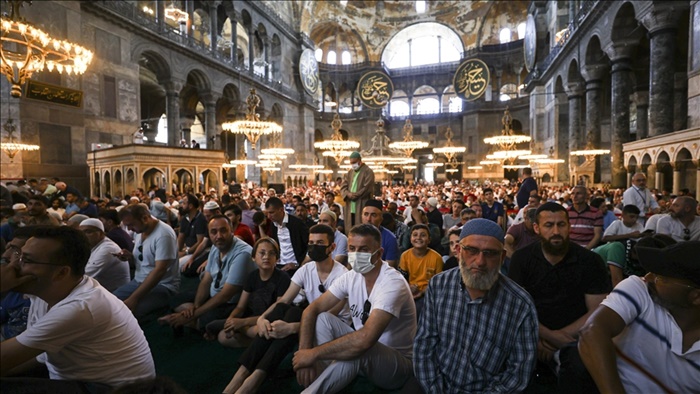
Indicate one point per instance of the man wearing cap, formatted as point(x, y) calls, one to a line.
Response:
point(8, 228)
point(567, 283)
point(465, 342)
point(434, 214)
point(372, 214)
point(357, 188)
point(645, 336)
point(36, 212)
point(103, 264)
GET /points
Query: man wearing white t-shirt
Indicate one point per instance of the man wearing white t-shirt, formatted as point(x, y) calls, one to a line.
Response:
point(87, 338)
point(331, 354)
point(645, 336)
point(279, 324)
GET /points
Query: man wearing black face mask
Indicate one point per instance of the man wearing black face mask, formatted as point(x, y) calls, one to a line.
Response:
point(279, 324)
point(383, 315)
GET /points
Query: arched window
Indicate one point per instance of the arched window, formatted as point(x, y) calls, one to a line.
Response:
point(421, 44)
point(428, 106)
point(345, 57)
point(508, 91)
point(420, 6)
point(521, 31)
point(455, 104)
point(505, 35)
point(331, 57)
point(399, 108)
point(319, 54)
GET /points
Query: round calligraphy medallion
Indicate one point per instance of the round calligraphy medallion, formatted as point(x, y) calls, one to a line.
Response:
point(375, 89)
point(308, 72)
point(530, 43)
point(471, 79)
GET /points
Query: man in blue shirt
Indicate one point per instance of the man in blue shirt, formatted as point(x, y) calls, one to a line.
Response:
point(372, 214)
point(492, 209)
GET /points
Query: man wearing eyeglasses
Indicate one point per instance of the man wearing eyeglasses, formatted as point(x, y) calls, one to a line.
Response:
point(567, 283)
point(638, 194)
point(383, 315)
point(465, 341)
point(279, 324)
point(645, 336)
point(87, 338)
point(229, 265)
point(681, 223)
point(157, 276)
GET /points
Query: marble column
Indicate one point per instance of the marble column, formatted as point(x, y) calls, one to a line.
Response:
point(676, 187)
point(266, 52)
point(650, 172)
point(629, 180)
point(234, 41)
point(189, 7)
point(593, 75)
point(641, 98)
point(251, 49)
point(172, 105)
point(620, 115)
point(680, 99)
point(661, 21)
point(213, 25)
point(697, 176)
point(574, 92)
point(210, 128)
point(160, 14)
point(659, 181)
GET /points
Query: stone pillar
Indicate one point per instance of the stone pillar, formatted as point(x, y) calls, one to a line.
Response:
point(251, 49)
point(680, 100)
point(697, 177)
point(234, 40)
point(160, 14)
point(650, 172)
point(213, 25)
point(210, 128)
point(694, 69)
point(189, 8)
point(659, 181)
point(620, 114)
point(266, 51)
point(661, 21)
point(593, 75)
point(629, 179)
point(641, 98)
point(172, 105)
point(574, 92)
point(676, 187)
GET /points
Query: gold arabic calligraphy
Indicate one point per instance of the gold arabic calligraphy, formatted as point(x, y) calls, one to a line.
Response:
point(375, 90)
point(40, 91)
point(471, 80)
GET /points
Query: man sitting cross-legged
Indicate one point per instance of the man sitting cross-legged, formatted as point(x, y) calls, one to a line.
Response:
point(331, 354)
point(88, 339)
point(218, 292)
point(279, 325)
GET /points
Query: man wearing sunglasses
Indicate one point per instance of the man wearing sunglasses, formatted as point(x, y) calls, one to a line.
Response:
point(567, 283)
point(681, 223)
point(645, 336)
point(383, 315)
point(157, 277)
point(465, 341)
point(87, 338)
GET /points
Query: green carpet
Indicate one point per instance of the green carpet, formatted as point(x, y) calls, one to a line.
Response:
point(201, 366)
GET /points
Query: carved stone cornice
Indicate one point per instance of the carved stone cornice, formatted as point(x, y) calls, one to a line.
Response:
point(575, 89)
point(662, 15)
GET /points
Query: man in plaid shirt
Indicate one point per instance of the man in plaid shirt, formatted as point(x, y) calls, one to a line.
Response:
point(478, 330)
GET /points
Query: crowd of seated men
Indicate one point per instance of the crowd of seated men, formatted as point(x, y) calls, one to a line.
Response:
point(439, 288)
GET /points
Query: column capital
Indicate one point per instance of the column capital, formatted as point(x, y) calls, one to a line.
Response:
point(641, 98)
point(621, 50)
point(173, 86)
point(209, 99)
point(594, 72)
point(661, 15)
point(574, 89)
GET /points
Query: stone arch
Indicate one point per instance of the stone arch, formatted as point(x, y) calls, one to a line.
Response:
point(275, 57)
point(686, 169)
point(107, 181)
point(632, 165)
point(210, 180)
point(573, 72)
point(664, 168)
point(201, 26)
point(129, 180)
point(183, 180)
point(423, 93)
point(117, 190)
point(493, 21)
point(97, 184)
point(331, 35)
point(154, 72)
point(153, 176)
point(625, 23)
point(594, 53)
point(276, 114)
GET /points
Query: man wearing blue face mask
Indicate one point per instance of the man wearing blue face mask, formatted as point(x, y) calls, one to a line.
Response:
point(383, 314)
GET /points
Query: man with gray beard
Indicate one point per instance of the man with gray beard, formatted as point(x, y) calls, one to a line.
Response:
point(465, 341)
point(567, 282)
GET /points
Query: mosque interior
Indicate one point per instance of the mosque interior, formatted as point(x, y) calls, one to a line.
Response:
point(618, 77)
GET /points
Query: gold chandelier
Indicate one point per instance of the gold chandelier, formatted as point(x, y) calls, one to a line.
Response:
point(508, 139)
point(337, 147)
point(590, 152)
point(12, 146)
point(408, 145)
point(26, 50)
point(252, 127)
point(449, 150)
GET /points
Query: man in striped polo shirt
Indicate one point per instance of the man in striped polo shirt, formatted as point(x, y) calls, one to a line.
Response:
point(586, 222)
